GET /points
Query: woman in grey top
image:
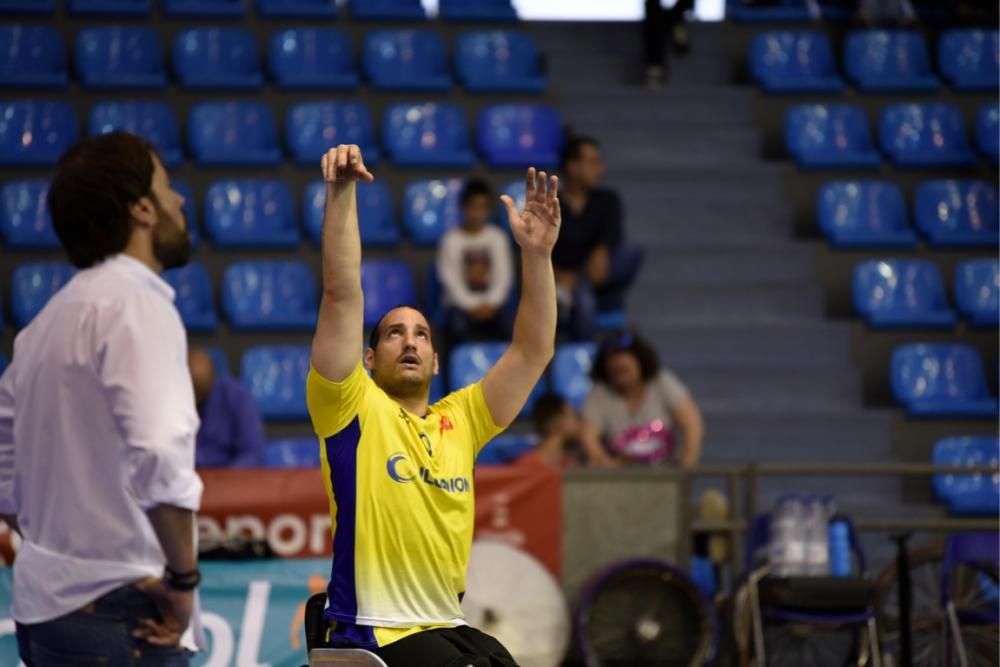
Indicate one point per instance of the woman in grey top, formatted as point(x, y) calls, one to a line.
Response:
point(636, 411)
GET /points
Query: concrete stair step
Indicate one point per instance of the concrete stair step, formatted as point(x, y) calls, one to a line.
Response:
point(768, 389)
point(733, 266)
point(726, 303)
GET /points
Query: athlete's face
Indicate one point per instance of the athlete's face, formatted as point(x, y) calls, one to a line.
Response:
point(404, 360)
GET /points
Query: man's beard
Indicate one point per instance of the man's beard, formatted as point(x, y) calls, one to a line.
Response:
point(171, 241)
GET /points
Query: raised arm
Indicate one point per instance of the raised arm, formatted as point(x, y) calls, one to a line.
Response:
point(336, 346)
point(508, 384)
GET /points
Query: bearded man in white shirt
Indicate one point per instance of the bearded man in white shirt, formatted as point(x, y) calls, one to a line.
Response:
point(98, 424)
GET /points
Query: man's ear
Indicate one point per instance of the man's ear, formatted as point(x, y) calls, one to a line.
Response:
point(143, 212)
point(370, 359)
point(437, 367)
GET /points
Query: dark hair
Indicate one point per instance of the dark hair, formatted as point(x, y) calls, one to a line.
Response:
point(571, 151)
point(376, 333)
point(95, 183)
point(474, 187)
point(546, 409)
point(625, 341)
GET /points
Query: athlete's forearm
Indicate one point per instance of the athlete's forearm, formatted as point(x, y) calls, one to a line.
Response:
point(535, 324)
point(341, 242)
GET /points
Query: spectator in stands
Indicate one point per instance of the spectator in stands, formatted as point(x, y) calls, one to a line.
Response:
point(636, 411)
point(476, 270)
point(558, 429)
point(593, 264)
point(231, 433)
point(655, 24)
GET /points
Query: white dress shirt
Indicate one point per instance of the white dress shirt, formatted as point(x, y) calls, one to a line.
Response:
point(97, 425)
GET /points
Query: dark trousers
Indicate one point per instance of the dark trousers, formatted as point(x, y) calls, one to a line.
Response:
point(448, 647)
point(99, 635)
point(656, 23)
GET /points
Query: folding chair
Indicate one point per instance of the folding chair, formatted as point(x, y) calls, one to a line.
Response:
point(319, 654)
point(969, 549)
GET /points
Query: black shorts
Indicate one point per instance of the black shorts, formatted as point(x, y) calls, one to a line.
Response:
point(461, 646)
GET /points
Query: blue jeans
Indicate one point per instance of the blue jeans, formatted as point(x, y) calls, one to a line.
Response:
point(99, 635)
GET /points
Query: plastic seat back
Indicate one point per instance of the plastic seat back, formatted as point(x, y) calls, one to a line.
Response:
point(32, 56)
point(25, 222)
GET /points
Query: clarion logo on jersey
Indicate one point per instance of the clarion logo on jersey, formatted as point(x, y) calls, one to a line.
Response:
point(398, 468)
point(452, 485)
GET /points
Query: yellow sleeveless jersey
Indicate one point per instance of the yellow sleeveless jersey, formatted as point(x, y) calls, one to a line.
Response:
point(401, 504)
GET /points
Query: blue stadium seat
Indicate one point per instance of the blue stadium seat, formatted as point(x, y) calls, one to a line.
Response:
point(269, 295)
point(988, 131)
point(119, 57)
point(387, 10)
point(32, 285)
point(830, 136)
point(901, 293)
point(221, 8)
point(957, 213)
point(386, 283)
point(193, 296)
point(433, 300)
point(312, 58)
point(571, 372)
point(3, 361)
point(925, 135)
point(32, 57)
point(313, 128)
point(970, 59)
point(889, 61)
point(406, 60)
point(276, 378)
point(154, 121)
point(25, 222)
point(941, 381)
point(864, 214)
point(520, 135)
point(34, 132)
point(794, 62)
point(190, 210)
point(784, 11)
point(297, 8)
point(477, 10)
point(427, 135)
point(219, 360)
point(33, 7)
point(217, 58)
point(500, 61)
point(292, 453)
point(431, 208)
point(376, 215)
point(233, 133)
point(110, 7)
point(251, 213)
point(505, 449)
point(469, 362)
point(977, 291)
point(976, 494)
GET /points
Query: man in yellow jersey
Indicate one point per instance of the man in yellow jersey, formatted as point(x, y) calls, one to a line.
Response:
point(398, 471)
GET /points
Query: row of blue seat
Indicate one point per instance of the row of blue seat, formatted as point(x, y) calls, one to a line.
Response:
point(910, 135)
point(893, 293)
point(371, 10)
point(260, 213)
point(405, 60)
point(245, 133)
point(872, 213)
point(976, 494)
point(801, 11)
point(875, 60)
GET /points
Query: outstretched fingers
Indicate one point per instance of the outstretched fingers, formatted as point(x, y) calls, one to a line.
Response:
point(553, 202)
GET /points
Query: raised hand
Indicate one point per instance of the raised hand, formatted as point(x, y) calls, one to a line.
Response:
point(344, 164)
point(536, 228)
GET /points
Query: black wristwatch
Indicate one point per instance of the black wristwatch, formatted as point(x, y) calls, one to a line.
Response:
point(182, 581)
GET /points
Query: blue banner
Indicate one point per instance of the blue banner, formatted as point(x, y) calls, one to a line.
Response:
point(252, 612)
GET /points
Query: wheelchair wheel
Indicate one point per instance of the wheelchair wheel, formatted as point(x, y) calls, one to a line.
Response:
point(645, 613)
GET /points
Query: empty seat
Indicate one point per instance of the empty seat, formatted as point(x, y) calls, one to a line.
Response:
point(233, 133)
point(297, 8)
point(276, 378)
point(406, 60)
point(860, 214)
point(888, 61)
point(119, 57)
point(193, 296)
point(988, 131)
point(427, 135)
point(505, 448)
point(32, 285)
point(571, 372)
point(312, 58)
point(901, 293)
point(431, 208)
point(217, 58)
point(829, 135)
point(386, 284)
point(269, 295)
point(469, 362)
point(32, 57)
point(957, 213)
point(970, 59)
point(153, 121)
point(477, 10)
point(499, 61)
point(110, 7)
point(387, 10)
point(37, 7)
point(292, 453)
point(25, 222)
point(941, 381)
point(925, 135)
point(376, 216)
point(977, 291)
point(520, 135)
point(313, 128)
point(224, 8)
point(794, 62)
point(251, 213)
point(968, 494)
point(33, 132)
point(189, 209)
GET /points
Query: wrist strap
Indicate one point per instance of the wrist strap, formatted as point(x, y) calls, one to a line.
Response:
point(182, 581)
